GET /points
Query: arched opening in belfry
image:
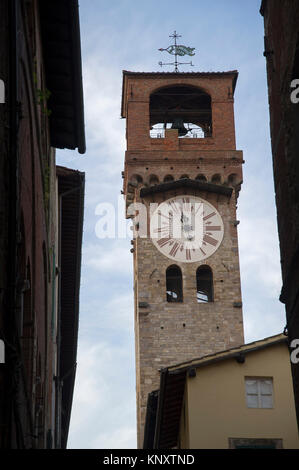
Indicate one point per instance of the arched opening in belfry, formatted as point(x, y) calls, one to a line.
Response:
point(204, 284)
point(168, 179)
point(174, 284)
point(153, 179)
point(136, 179)
point(216, 179)
point(186, 108)
point(201, 178)
point(232, 179)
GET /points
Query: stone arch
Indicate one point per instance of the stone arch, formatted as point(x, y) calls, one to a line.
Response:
point(232, 179)
point(168, 178)
point(202, 89)
point(216, 179)
point(153, 179)
point(201, 177)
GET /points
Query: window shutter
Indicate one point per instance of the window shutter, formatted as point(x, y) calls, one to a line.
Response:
point(252, 393)
point(266, 394)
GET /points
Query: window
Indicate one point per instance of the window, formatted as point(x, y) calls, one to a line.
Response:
point(259, 392)
point(204, 284)
point(174, 287)
point(244, 443)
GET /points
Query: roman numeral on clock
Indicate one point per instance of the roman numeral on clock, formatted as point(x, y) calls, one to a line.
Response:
point(210, 240)
point(209, 216)
point(161, 229)
point(163, 241)
point(213, 228)
point(174, 249)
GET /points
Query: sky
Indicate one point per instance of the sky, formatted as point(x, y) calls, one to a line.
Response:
point(126, 35)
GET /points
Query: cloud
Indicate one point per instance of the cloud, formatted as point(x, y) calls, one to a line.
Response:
point(109, 257)
point(104, 126)
point(104, 398)
point(127, 34)
point(109, 317)
point(124, 438)
point(259, 255)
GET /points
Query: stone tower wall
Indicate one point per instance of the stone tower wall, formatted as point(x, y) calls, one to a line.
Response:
point(170, 333)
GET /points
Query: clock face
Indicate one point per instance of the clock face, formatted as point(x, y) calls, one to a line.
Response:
point(186, 229)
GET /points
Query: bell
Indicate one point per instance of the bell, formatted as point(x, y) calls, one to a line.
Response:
point(178, 124)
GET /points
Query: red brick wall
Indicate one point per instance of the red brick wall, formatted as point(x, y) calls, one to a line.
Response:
point(139, 89)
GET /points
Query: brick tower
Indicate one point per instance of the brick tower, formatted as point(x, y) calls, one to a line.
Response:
point(181, 147)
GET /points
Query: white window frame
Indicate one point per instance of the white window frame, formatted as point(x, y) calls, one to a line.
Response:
point(259, 393)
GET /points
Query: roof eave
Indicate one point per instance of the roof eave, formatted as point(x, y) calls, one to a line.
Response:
point(229, 353)
point(60, 25)
point(71, 184)
point(263, 7)
point(186, 182)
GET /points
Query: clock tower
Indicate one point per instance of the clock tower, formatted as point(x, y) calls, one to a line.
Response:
point(183, 174)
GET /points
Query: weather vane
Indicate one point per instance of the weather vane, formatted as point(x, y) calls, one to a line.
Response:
point(177, 50)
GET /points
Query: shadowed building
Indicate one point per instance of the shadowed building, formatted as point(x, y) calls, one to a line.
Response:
point(281, 20)
point(41, 213)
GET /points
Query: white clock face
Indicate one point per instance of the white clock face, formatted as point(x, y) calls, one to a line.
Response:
point(186, 229)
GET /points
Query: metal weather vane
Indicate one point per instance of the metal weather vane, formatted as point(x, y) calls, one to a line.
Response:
point(177, 50)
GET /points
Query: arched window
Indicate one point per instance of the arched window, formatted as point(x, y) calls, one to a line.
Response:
point(174, 284)
point(216, 179)
point(168, 178)
point(201, 178)
point(204, 284)
point(232, 179)
point(153, 179)
point(137, 179)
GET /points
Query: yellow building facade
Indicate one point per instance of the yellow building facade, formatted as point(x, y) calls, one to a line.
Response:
point(238, 398)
